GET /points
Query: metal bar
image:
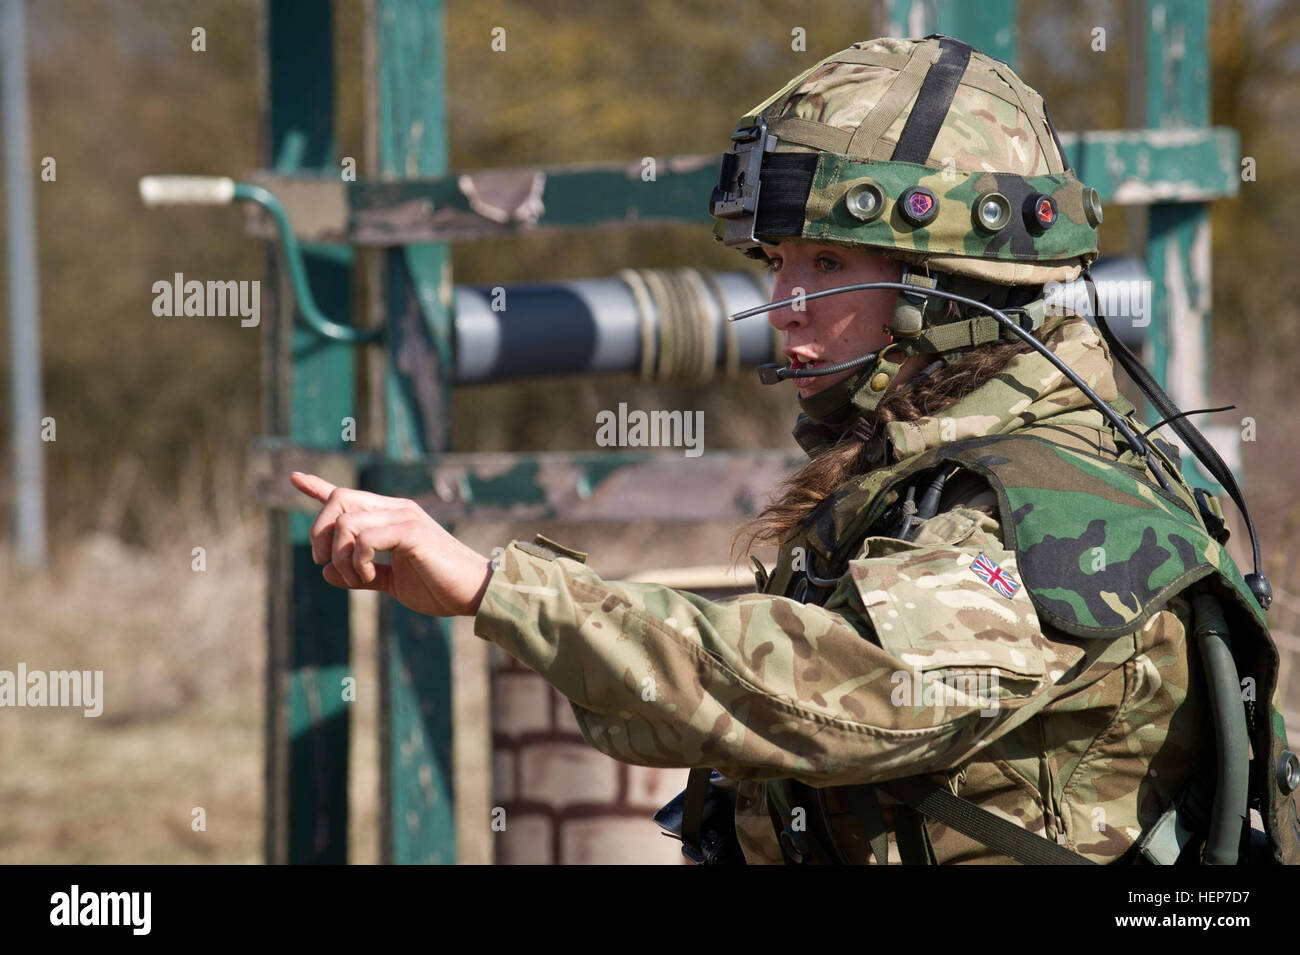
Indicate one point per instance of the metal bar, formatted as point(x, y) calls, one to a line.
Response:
point(309, 311)
point(1178, 246)
point(24, 295)
point(220, 190)
point(1135, 167)
point(577, 486)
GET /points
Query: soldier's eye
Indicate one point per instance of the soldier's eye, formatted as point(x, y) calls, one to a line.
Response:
point(772, 264)
point(827, 264)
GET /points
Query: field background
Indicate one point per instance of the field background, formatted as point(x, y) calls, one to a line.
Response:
point(154, 416)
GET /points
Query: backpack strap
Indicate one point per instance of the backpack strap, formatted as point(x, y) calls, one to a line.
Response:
point(866, 809)
point(697, 785)
point(981, 825)
point(914, 846)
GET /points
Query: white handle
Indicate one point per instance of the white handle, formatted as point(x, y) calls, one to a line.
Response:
point(187, 190)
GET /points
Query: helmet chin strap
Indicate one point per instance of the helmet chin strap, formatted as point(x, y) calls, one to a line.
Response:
point(837, 406)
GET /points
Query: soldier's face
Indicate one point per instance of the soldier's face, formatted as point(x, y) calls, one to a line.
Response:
point(836, 328)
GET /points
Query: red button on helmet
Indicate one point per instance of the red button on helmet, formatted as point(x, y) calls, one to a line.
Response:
point(918, 205)
point(1040, 213)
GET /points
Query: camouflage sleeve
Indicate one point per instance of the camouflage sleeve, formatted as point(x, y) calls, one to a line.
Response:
point(913, 665)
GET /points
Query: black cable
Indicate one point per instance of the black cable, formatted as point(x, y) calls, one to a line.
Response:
point(1183, 414)
point(775, 372)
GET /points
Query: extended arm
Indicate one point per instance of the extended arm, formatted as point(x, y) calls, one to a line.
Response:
point(760, 686)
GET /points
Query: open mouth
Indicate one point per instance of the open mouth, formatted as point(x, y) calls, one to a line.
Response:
point(803, 384)
point(797, 364)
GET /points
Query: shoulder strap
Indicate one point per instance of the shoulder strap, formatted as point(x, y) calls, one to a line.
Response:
point(866, 809)
point(697, 785)
point(913, 837)
point(980, 824)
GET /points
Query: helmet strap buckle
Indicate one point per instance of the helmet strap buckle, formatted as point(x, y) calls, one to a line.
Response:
point(872, 391)
point(910, 308)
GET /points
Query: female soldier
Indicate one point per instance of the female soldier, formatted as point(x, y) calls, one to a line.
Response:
point(982, 587)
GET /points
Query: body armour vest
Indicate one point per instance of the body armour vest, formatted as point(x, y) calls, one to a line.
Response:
point(1058, 505)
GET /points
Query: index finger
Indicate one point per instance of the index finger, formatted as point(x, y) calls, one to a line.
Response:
point(310, 484)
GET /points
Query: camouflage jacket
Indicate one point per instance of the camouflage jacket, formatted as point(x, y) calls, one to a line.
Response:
point(914, 664)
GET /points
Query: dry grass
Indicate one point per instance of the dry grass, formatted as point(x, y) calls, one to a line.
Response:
point(180, 638)
point(181, 653)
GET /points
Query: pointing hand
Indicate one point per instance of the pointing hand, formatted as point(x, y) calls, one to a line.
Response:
point(431, 571)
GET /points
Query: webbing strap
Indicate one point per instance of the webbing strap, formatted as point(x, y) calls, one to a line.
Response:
point(866, 809)
point(807, 132)
point(881, 58)
point(979, 824)
point(932, 103)
point(970, 332)
point(787, 182)
point(963, 334)
point(697, 785)
point(986, 81)
point(1045, 142)
point(890, 106)
point(762, 108)
point(867, 398)
point(914, 846)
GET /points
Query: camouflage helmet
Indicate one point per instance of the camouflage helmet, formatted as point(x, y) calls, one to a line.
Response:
point(926, 150)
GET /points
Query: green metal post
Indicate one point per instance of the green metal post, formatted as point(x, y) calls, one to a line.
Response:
point(307, 731)
point(416, 793)
point(989, 26)
point(1178, 239)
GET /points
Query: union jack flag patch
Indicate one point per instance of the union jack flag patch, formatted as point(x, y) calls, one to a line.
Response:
point(995, 576)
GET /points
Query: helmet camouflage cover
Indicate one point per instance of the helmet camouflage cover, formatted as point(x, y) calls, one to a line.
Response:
point(926, 150)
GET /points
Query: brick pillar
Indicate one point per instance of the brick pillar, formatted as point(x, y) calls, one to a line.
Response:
point(566, 802)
